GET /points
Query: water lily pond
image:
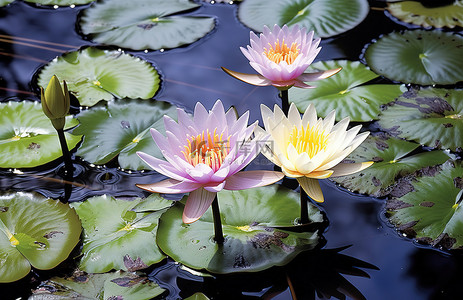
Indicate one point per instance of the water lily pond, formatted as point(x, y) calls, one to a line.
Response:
point(385, 222)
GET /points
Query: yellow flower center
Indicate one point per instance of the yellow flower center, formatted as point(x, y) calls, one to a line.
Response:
point(281, 52)
point(207, 148)
point(310, 140)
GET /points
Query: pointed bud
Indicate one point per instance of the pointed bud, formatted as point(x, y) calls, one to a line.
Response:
point(55, 102)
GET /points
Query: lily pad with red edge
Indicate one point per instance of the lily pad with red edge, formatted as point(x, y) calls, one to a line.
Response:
point(347, 92)
point(34, 231)
point(326, 17)
point(252, 243)
point(120, 129)
point(144, 24)
point(94, 74)
point(393, 158)
point(432, 117)
point(27, 137)
point(431, 212)
point(120, 234)
point(418, 56)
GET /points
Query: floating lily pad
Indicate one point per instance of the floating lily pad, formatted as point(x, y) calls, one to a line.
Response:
point(432, 211)
point(60, 2)
point(108, 286)
point(197, 296)
point(251, 242)
point(93, 74)
point(416, 13)
point(144, 24)
point(5, 2)
point(325, 17)
point(117, 235)
point(27, 137)
point(121, 128)
point(345, 93)
point(418, 56)
point(392, 159)
point(433, 117)
point(34, 231)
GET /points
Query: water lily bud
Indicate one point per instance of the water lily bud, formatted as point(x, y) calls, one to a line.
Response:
point(56, 102)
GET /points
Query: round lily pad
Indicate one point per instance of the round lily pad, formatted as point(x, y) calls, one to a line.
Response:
point(432, 211)
point(416, 13)
point(345, 92)
point(392, 159)
point(60, 2)
point(433, 117)
point(121, 128)
point(325, 17)
point(144, 24)
point(27, 137)
point(93, 74)
point(117, 235)
point(251, 242)
point(34, 231)
point(418, 56)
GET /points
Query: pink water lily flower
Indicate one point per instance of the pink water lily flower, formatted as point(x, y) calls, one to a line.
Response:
point(204, 155)
point(281, 57)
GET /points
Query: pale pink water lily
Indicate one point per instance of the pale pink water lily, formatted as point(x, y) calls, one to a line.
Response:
point(281, 57)
point(308, 148)
point(204, 155)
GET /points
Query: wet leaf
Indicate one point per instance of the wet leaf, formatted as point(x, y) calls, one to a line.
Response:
point(251, 242)
point(34, 231)
point(93, 74)
point(27, 137)
point(432, 212)
point(418, 56)
point(325, 17)
point(142, 24)
point(112, 242)
point(433, 117)
point(345, 92)
point(121, 129)
point(60, 2)
point(392, 160)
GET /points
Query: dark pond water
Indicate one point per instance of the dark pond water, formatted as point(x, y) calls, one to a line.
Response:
point(405, 270)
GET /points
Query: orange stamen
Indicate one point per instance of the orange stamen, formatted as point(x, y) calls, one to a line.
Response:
point(281, 52)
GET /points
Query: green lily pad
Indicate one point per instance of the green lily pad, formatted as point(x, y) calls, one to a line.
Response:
point(5, 2)
point(345, 93)
point(432, 211)
point(144, 24)
point(34, 231)
point(416, 13)
point(116, 236)
point(418, 56)
point(433, 117)
point(325, 17)
point(116, 285)
point(60, 2)
point(93, 74)
point(27, 137)
point(392, 159)
point(121, 128)
point(251, 242)
point(197, 296)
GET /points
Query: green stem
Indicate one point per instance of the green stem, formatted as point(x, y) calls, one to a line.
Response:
point(69, 168)
point(304, 208)
point(218, 233)
point(284, 101)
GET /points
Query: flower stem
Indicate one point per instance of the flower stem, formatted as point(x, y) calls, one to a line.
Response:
point(284, 101)
point(304, 208)
point(69, 168)
point(218, 233)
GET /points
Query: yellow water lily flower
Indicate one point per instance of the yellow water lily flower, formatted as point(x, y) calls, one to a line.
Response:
point(308, 148)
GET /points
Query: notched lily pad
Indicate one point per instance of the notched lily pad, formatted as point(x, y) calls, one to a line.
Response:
point(27, 137)
point(252, 243)
point(345, 92)
point(121, 128)
point(392, 160)
point(115, 236)
point(144, 24)
point(418, 56)
point(34, 231)
point(325, 17)
point(416, 13)
point(432, 212)
point(93, 75)
point(433, 117)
